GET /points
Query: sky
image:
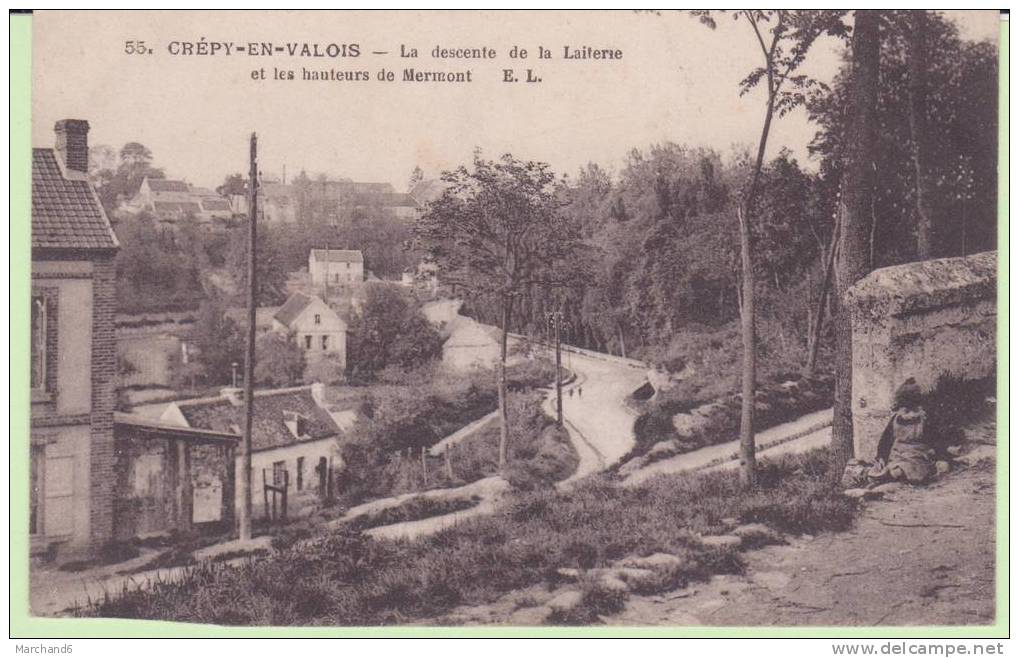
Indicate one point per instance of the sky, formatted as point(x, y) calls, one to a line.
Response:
point(677, 80)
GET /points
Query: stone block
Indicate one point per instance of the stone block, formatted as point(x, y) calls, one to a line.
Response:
point(920, 320)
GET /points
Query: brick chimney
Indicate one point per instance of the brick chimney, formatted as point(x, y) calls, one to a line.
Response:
point(72, 144)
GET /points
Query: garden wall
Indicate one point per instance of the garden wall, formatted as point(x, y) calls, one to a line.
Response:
point(919, 320)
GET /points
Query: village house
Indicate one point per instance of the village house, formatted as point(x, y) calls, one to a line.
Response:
point(73, 351)
point(467, 344)
point(336, 267)
point(172, 200)
point(279, 202)
point(315, 326)
point(292, 432)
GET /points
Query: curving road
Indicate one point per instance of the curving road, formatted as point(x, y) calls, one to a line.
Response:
point(598, 422)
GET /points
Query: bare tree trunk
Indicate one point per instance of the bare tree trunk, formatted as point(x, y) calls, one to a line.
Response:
point(747, 449)
point(854, 209)
point(815, 332)
point(917, 55)
point(507, 310)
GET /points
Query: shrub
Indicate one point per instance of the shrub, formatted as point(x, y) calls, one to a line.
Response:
point(786, 398)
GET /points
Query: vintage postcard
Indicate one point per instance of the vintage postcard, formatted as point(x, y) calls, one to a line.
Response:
point(514, 319)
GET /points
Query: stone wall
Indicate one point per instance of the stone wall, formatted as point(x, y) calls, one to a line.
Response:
point(919, 320)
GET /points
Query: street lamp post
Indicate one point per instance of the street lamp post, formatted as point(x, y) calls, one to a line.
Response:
point(555, 319)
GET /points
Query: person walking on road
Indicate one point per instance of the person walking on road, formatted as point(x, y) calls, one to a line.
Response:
point(580, 392)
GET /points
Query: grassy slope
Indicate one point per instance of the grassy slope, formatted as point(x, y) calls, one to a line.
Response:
point(348, 579)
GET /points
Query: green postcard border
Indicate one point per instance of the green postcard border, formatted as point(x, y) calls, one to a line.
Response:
point(24, 626)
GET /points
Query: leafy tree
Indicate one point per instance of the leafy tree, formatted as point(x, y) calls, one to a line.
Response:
point(389, 330)
point(232, 185)
point(271, 269)
point(956, 132)
point(279, 360)
point(116, 185)
point(218, 340)
point(497, 229)
point(784, 38)
point(327, 369)
point(155, 269)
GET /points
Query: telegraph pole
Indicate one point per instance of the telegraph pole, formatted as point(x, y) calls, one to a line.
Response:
point(244, 529)
point(555, 318)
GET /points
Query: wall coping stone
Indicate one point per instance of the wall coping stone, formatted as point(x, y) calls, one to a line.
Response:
point(924, 286)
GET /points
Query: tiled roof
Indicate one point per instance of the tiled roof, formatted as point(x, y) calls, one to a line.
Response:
point(171, 207)
point(338, 255)
point(215, 204)
point(386, 200)
point(269, 429)
point(66, 214)
point(292, 308)
point(164, 185)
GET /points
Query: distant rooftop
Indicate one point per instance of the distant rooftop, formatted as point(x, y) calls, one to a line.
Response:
point(166, 185)
point(338, 255)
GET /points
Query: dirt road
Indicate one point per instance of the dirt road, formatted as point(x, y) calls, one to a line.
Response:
point(920, 556)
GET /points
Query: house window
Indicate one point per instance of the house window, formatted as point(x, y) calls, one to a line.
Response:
point(300, 473)
point(325, 342)
point(336, 277)
point(279, 470)
point(348, 266)
point(307, 342)
point(39, 335)
point(318, 319)
point(36, 479)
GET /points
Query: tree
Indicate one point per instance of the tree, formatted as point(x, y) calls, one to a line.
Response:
point(855, 202)
point(327, 369)
point(135, 164)
point(390, 330)
point(784, 38)
point(219, 342)
point(496, 230)
point(958, 147)
point(280, 360)
point(272, 269)
point(416, 177)
point(917, 56)
point(156, 269)
point(233, 185)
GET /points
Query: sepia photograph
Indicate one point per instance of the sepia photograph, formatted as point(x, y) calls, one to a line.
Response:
point(669, 319)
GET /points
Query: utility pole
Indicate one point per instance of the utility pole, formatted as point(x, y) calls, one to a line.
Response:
point(555, 318)
point(244, 523)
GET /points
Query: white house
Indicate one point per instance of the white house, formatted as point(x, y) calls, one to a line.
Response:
point(316, 327)
point(293, 432)
point(471, 345)
point(336, 267)
point(468, 343)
